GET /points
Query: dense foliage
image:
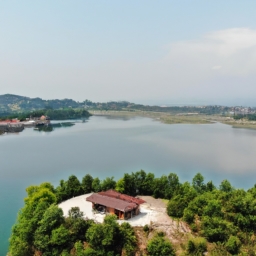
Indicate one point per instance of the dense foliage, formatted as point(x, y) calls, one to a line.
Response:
point(53, 114)
point(41, 229)
point(250, 117)
point(222, 216)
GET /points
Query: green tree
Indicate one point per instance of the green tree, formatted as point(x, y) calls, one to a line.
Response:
point(51, 220)
point(128, 239)
point(233, 245)
point(161, 187)
point(22, 237)
point(198, 183)
point(225, 186)
point(179, 202)
point(96, 186)
point(61, 192)
point(120, 186)
point(73, 187)
point(87, 183)
point(173, 185)
point(159, 246)
point(129, 184)
point(108, 183)
point(196, 246)
point(104, 238)
point(216, 229)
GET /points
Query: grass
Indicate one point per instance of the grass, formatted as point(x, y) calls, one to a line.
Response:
point(165, 201)
point(170, 118)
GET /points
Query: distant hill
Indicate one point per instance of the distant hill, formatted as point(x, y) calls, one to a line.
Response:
point(10, 103)
point(15, 103)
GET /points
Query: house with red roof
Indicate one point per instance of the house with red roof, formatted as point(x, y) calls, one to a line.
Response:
point(113, 202)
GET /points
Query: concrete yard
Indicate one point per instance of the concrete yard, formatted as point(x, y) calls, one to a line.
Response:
point(153, 213)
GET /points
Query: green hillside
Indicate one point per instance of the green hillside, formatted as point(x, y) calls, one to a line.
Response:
point(15, 103)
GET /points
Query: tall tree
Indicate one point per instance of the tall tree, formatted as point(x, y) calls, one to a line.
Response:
point(87, 183)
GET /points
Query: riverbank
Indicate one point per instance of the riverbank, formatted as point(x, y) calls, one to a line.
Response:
point(182, 118)
point(167, 118)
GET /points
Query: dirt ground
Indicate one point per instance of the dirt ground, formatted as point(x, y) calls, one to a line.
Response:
point(174, 229)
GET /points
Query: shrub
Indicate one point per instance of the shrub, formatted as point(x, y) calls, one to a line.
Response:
point(159, 246)
point(233, 245)
point(196, 246)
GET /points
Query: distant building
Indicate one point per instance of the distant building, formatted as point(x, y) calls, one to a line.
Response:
point(113, 202)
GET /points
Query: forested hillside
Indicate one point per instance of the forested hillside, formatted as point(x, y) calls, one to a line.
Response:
point(15, 103)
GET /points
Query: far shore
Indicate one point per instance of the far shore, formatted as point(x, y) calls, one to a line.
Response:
point(182, 118)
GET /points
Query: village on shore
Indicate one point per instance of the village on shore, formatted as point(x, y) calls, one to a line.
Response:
point(15, 125)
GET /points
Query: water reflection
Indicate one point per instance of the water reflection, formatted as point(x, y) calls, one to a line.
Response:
point(52, 127)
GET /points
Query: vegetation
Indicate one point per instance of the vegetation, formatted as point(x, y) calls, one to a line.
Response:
point(222, 218)
point(159, 246)
point(14, 104)
point(54, 114)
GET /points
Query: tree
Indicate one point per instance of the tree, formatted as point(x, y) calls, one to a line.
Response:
point(73, 186)
point(38, 200)
point(173, 185)
point(60, 238)
point(225, 186)
point(198, 183)
point(75, 213)
point(161, 187)
point(120, 186)
point(61, 192)
point(129, 184)
point(179, 202)
point(210, 186)
point(87, 183)
point(77, 225)
point(96, 187)
point(52, 219)
point(196, 246)
point(216, 229)
point(159, 246)
point(128, 239)
point(233, 245)
point(108, 183)
point(104, 238)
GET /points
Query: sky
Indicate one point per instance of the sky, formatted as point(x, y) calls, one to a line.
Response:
point(142, 51)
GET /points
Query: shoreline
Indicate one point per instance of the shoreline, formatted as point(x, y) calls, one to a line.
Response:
point(183, 118)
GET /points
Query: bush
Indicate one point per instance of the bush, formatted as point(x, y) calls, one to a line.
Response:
point(146, 228)
point(233, 245)
point(196, 246)
point(159, 246)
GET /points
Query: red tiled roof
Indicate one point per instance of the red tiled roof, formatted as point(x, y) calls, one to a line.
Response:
point(115, 194)
point(111, 202)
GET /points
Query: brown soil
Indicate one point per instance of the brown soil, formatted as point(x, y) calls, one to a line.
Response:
point(177, 231)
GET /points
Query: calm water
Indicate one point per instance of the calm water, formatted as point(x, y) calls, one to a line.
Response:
point(110, 147)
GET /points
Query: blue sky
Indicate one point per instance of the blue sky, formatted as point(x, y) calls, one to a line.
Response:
point(140, 51)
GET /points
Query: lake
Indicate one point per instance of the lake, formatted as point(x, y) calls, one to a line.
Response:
point(110, 146)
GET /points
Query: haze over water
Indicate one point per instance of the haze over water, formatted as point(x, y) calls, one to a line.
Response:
point(108, 146)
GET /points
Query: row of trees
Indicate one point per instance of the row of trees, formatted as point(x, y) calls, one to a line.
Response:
point(54, 114)
point(250, 117)
point(138, 183)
